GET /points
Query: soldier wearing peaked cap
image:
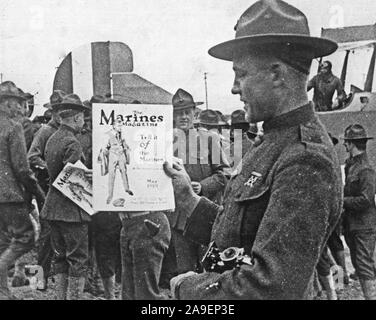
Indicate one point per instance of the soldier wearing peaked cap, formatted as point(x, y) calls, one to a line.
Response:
point(69, 223)
point(17, 183)
point(359, 205)
point(38, 164)
point(283, 204)
point(205, 165)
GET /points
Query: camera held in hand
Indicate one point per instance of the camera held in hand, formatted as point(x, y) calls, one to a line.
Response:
point(215, 260)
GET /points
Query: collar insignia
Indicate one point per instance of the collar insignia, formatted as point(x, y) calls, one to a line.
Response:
point(253, 179)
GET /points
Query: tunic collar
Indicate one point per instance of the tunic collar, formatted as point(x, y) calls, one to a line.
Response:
point(52, 123)
point(67, 128)
point(358, 158)
point(290, 119)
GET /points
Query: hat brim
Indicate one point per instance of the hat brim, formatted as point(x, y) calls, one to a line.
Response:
point(77, 107)
point(240, 123)
point(212, 124)
point(319, 47)
point(13, 96)
point(193, 105)
point(363, 138)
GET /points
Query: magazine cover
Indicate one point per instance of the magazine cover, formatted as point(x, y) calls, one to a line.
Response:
point(73, 183)
point(130, 144)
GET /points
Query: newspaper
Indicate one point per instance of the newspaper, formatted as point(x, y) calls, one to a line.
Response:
point(130, 144)
point(73, 183)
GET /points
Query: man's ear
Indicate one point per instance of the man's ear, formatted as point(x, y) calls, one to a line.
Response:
point(277, 71)
point(77, 117)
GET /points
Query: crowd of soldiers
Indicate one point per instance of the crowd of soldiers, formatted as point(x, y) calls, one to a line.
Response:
point(75, 243)
point(277, 195)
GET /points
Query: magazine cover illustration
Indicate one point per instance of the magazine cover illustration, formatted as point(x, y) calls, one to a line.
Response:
point(130, 144)
point(72, 183)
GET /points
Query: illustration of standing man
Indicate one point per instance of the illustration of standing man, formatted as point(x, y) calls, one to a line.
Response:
point(116, 154)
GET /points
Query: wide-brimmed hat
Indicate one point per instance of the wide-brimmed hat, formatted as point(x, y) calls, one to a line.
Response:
point(355, 132)
point(274, 22)
point(94, 99)
point(238, 117)
point(27, 95)
point(70, 102)
point(209, 118)
point(10, 90)
point(183, 100)
point(222, 121)
point(55, 98)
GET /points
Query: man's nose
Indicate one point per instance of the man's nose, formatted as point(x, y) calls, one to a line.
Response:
point(235, 88)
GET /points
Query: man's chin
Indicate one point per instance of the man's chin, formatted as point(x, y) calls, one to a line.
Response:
point(184, 128)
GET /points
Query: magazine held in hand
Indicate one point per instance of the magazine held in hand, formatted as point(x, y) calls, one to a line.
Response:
point(74, 184)
point(130, 144)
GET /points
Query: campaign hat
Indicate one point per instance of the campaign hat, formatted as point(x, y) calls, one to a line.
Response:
point(8, 89)
point(238, 117)
point(274, 22)
point(209, 118)
point(355, 132)
point(183, 100)
point(70, 102)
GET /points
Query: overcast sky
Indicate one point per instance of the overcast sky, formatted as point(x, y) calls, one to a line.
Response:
point(169, 39)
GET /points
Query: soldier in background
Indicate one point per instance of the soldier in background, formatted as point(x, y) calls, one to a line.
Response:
point(22, 116)
point(359, 208)
point(206, 173)
point(324, 84)
point(69, 223)
point(17, 184)
point(36, 152)
point(239, 125)
point(222, 122)
point(38, 164)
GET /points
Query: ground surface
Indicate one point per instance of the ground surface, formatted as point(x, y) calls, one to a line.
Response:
point(350, 292)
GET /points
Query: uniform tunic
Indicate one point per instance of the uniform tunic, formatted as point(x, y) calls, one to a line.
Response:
point(17, 183)
point(69, 228)
point(281, 208)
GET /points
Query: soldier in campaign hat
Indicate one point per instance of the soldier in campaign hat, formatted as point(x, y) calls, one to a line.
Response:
point(359, 208)
point(210, 119)
point(283, 204)
point(69, 223)
point(17, 185)
point(38, 164)
point(205, 165)
point(240, 128)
